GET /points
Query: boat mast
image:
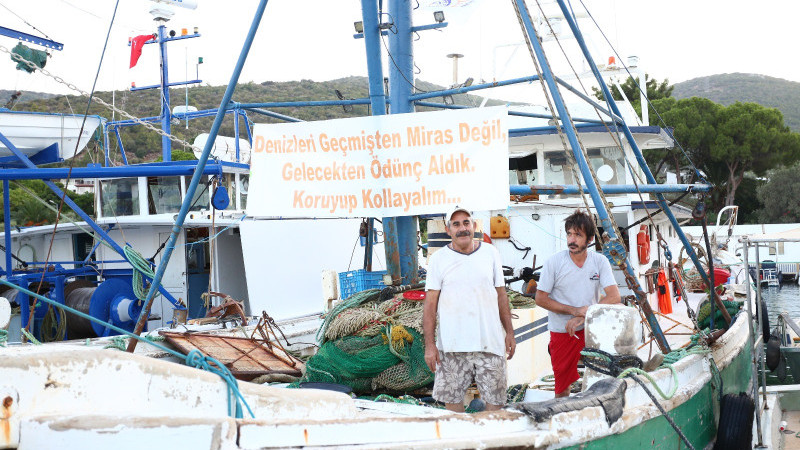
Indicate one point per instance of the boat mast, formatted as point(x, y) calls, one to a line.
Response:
point(400, 233)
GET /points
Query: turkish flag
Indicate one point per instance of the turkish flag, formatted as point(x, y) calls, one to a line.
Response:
point(136, 47)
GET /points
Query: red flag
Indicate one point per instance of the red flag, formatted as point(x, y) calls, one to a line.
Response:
point(136, 47)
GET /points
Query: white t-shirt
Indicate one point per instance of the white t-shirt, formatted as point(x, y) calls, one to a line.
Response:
point(572, 285)
point(468, 313)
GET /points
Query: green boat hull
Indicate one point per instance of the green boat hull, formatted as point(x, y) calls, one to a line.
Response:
point(697, 417)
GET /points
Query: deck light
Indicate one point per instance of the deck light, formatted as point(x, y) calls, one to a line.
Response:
point(359, 26)
point(438, 16)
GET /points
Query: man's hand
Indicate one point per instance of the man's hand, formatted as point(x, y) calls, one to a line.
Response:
point(511, 345)
point(573, 324)
point(581, 312)
point(432, 357)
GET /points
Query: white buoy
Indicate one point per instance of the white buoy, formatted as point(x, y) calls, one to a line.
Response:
point(5, 313)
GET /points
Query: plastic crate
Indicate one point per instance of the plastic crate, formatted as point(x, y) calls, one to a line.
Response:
point(359, 280)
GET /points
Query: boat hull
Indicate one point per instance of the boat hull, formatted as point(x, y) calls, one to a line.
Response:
point(33, 132)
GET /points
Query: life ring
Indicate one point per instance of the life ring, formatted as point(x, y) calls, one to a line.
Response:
point(643, 245)
point(662, 290)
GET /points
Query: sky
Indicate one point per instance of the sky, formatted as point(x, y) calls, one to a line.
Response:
point(312, 39)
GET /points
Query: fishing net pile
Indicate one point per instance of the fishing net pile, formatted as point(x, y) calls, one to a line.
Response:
point(372, 344)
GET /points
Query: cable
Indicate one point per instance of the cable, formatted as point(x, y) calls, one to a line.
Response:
point(26, 22)
point(410, 83)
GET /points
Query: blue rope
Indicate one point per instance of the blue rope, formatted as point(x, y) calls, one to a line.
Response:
point(194, 359)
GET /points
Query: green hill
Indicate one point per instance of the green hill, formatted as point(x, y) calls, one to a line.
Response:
point(142, 145)
point(729, 88)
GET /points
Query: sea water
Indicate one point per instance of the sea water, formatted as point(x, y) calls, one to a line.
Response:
point(778, 300)
point(783, 299)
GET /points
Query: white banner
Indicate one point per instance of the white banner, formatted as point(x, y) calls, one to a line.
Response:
point(381, 166)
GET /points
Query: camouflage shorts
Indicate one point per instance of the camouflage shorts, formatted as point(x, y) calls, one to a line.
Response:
point(456, 371)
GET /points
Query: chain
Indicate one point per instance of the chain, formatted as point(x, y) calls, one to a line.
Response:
point(121, 112)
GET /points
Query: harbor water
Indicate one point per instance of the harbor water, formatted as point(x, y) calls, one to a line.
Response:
point(783, 299)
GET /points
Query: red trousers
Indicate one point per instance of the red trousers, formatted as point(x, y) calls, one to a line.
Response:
point(565, 351)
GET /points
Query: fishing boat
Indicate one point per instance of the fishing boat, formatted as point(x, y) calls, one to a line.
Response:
point(69, 392)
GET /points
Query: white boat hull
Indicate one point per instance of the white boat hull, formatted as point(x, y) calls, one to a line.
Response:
point(34, 132)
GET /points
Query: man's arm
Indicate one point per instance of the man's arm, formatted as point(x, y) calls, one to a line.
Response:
point(429, 328)
point(612, 296)
point(543, 299)
point(505, 319)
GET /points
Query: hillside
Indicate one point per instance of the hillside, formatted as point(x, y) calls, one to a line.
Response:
point(744, 87)
point(142, 145)
point(5, 96)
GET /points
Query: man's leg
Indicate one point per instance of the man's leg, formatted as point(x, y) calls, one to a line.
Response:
point(491, 378)
point(565, 352)
point(455, 407)
point(453, 377)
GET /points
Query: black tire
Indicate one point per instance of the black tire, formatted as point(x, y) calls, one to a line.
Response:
point(735, 430)
point(773, 353)
point(764, 320)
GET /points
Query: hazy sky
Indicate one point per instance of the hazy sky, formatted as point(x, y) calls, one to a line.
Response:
point(312, 39)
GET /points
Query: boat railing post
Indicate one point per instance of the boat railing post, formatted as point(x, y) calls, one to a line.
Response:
point(751, 327)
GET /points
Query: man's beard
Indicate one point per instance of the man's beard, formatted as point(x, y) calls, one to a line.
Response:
point(575, 248)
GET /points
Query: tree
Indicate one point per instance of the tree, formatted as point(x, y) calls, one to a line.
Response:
point(726, 142)
point(779, 196)
point(655, 91)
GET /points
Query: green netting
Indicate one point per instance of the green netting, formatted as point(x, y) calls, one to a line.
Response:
point(21, 53)
point(367, 363)
point(704, 311)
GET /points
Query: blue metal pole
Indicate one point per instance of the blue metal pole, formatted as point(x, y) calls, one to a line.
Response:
point(108, 172)
point(236, 134)
point(7, 225)
point(636, 151)
point(377, 99)
point(583, 165)
point(521, 189)
point(190, 191)
point(401, 79)
point(166, 114)
point(107, 144)
point(474, 87)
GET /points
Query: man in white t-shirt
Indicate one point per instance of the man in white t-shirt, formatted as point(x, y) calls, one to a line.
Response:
point(570, 282)
point(466, 309)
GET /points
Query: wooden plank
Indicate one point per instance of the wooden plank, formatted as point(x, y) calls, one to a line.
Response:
point(245, 358)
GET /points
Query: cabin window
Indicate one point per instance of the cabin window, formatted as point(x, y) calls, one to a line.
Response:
point(556, 170)
point(200, 200)
point(163, 195)
point(780, 248)
point(244, 185)
point(607, 162)
point(522, 170)
point(119, 197)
